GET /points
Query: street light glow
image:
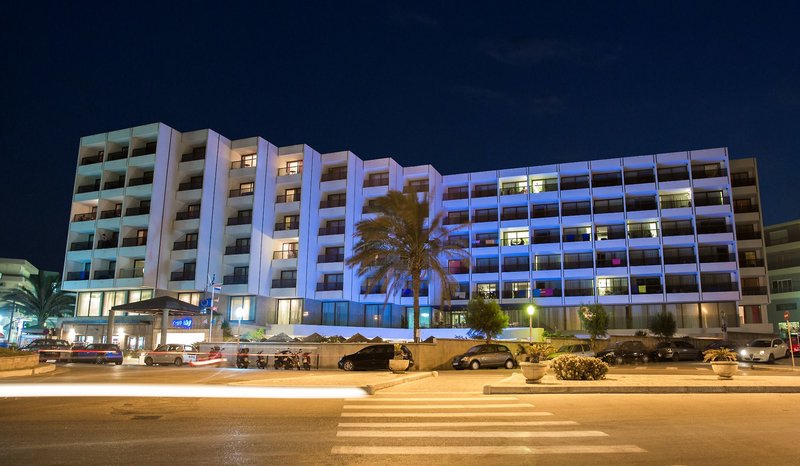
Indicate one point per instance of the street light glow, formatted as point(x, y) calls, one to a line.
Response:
point(531, 309)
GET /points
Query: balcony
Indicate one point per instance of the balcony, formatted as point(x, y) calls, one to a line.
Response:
point(452, 196)
point(181, 276)
point(546, 239)
point(408, 293)
point(612, 291)
point(608, 209)
point(721, 287)
point(290, 254)
point(198, 153)
point(484, 218)
point(489, 294)
point(646, 289)
point(119, 155)
point(103, 274)
point(751, 262)
point(754, 290)
point(739, 181)
point(514, 215)
point(579, 210)
point(149, 148)
point(77, 276)
point(422, 188)
point(374, 183)
point(241, 192)
point(88, 188)
point(330, 258)
point(646, 204)
point(540, 211)
point(136, 272)
point(331, 203)
point(243, 164)
point(187, 215)
point(114, 184)
point(615, 262)
point(703, 200)
point(335, 286)
point(484, 243)
point(333, 176)
point(81, 246)
point(286, 226)
point(514, 241)
point(494, 268)
point(568, 265)
point(677, 231)
point(640, 261)
point(107, 243)
point(713, 228)
point(376, 289)
point(575, 237)
point(635, 234)
point(190, 185)
point(232, 250)
point(133, 242)
point(679, 259)
point(338, 230)
point(455, 220)
point(92, 159)
point(240, 220)
point(235, 279)
point(184, 245)
point(665, 176)
point(516, 294)
point(550, 265)
point(578, 291)
point(458, 269)
point(284, 283)
point(580, 184)
point(745, 235)
point(289, 171)
point(681, 288)
point(544, 292)
point(513, 190)
point(745, 208)
point(640, 178)
point(699, 173)
point(88, 216)
point(675, 203)
point(606, 181)
point(484, 192)
point(131, 211)
point(612, 234)
point(516, 267)
point(115, 213)
point(546, 187)
point(707, 258)
point(284, 198)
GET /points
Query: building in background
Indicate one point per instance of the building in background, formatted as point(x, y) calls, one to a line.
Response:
point(156, 211)
point(14, 274)
point(783, 262)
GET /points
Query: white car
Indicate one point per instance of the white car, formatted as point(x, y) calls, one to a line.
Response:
point(764, 350)
point(176, 354)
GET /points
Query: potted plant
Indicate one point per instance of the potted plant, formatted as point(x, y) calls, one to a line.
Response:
point(723, 362)
point(533, 367)
point(398, 364)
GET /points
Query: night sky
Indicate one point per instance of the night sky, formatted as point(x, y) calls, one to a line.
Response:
point(465, 86)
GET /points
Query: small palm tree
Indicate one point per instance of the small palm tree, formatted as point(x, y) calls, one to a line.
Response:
point(43, 299)
point(397, 247)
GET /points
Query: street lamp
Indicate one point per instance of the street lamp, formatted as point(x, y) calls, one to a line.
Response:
point(531, 310)
point(239, 314)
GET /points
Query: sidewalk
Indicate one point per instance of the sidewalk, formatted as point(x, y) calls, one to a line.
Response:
point(369, 381)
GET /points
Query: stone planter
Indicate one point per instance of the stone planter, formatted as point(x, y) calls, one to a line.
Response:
point(28, 361)
point(533, 371)
point(725, 370)
point(398, 366)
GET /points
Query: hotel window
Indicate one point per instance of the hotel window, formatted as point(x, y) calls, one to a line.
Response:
point(606, 232)
point(485, 215)
point(612, 286)
point(515, 238)
point(290, 311)
point(514, 290)
point(605, 206)
point(485, 239)
point(294, 167)
point(675, 201)
point(134, 296)
point(782, 286)
point(191, 298)
point(486, 290)
point(643, 230)
point(246, 188)
point(89, 303)
point(541, 186)
point(335, 313)
point(377, 179)
point(292, 194)
point(244, 302)
point(515, 187)
point(113, 298)
point(248, 160)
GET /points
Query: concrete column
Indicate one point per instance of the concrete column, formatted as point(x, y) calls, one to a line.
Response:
point(110, 327)
point(164, 325)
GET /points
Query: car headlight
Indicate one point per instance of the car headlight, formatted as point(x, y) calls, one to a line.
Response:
point(743, 353)
point(761, 352)
point(465, 358)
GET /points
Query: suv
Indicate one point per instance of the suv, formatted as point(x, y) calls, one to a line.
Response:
point(49, 348)
point(171, 354)
point(373, 357)
point(676, 350)
point(487, 355)
point(625, 351)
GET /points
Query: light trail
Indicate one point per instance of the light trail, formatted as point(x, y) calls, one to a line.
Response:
point(174, 391)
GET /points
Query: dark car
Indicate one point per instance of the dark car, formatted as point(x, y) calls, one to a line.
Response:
point(98, 353)
point(676, 351)
point(373, 357)
point(487, 355)
point(49, 349)
point(625, 351)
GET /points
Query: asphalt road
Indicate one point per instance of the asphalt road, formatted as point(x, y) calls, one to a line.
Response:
point(443, 419)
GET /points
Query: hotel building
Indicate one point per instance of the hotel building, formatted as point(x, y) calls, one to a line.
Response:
point(783, 262)
point(156, 211)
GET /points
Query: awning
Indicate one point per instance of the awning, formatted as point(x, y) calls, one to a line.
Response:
point(159, 305)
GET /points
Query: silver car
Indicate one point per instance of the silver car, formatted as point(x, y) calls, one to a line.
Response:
point(176, 354)
point(764, 350)
point(579, 350)
point(489, 355)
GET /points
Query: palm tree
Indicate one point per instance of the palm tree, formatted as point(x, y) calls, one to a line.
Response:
point(43, 299)
point(397, 247)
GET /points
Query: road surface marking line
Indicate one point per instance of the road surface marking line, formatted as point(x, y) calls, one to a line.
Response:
point(470, 398)
point(640, 368)
point(671, 368)
point(460, 424)
point(482, 415)
point(471, 406)
point(487, 450)
point(471, 433)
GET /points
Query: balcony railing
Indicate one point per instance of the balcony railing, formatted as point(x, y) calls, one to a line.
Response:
point(583, 210)
point(455, 220)
point(377, 289)
point(485, 243)
point(240, 220)
point(181, 276)
point(484, 192)
point(640, 178)
point(546, 187)
point(515, 215)
point(673, 176)
point(232, 250)
point(540, 291)
point(486, 294)
point(88, 216)
point(515, 241)
point(754, 290)
point(604, 182)
point(378, 182)
point(679, 259)
point(574, 237)
point(330, 258)
point(617, 262)
point(81, 246)
point(516, 267)
point(288, 171)
point(486, 268)
point(235, 279)
point(190, 185)
point(649, 204)
point(423, 188)
point(92, 159)
point(133, 242)
point(706, 258)
point(331, 203)
point(284, 283)
point(452, 196)
point(608, 209)
point(74, 276)
point(716, 287)
point(703, 172)
point(241, 192)
point(114, 184)
point(578, 265)
point(119, 155)
point(286, 226)
point(107, 243)
point(184, 245)
point(337, 230)
point(88, 188)
point(551, 265)
point(198, 153)
point(136, 272)
point(640, 261)
point(646, 289)
point(578, 291)
point(713, 228)
point(243, 164)
point(516, 294)
point(513, 190)
point(484, 218)
point(688, 288)
point(738, 182)
point(745, 235)
point(612, 291)
point(333, 176)
point(149, 180)
point(335, 286)
point(675, 203)
point(131, 211)
point(677, 231)
point(612, 234)
point(635, 234)
point(567, 185)
point(459, 295)
point(745, 208)
point(111, 213)
point(701, 200)
point(544, 211)
point(149, 148)
point(751, 262)
point(290, 254)
point(187, 215)
point(554, 238)
point(454, 270)
point(103, 274)
point(284, 198)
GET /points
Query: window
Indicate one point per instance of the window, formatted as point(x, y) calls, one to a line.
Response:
point(782, 286)
point(675, 201)
point(246, 188)
point(191, 298)
point(786, 307)
point(134, 296)
point(377, 315)
point(292, 194)
point(643, 230)
point(419, 183)
point(335, 313)
point(290, 311)
point(516, 290)
point(515, 187)
point(294, 167)
point(456, 192)
point(245, 303)
point(612, 286)
point(515, 238)
point(248, 160)
point(486, 290)
point(457, 217)
point(193, 208)
point(515, 213)
point(606, 232)
point(377, 179)
point(540, 186)
point(605, 206)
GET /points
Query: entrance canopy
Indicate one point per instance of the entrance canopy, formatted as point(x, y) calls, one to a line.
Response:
point(164, 305)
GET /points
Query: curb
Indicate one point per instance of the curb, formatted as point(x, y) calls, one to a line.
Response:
point(40, 369)
point(371, 389)
point(543, 390)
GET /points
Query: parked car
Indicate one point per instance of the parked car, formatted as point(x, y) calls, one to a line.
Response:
point(578, 350)
point(98, 353)
point(373, 357)
point(625, 351)
point(176, 354)
point(49, 349)
point(795, 341)
point(764, 350)
point(676, 350)
point(486, 355)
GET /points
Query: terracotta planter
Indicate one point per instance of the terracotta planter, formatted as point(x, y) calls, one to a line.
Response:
point(725, 370)
point(533, 371)
point(398, 366)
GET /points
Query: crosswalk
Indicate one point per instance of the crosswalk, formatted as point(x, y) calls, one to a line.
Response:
point(470, 426)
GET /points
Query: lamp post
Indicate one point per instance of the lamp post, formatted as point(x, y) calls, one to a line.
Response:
point(239, 315)
point(531, 310)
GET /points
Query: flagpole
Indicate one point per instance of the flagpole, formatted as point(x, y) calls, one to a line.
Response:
point(211, 308)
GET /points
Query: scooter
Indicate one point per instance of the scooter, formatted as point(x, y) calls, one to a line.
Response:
point(243, 358)
point(305, 360)
point(261, 360)
point(285, 360)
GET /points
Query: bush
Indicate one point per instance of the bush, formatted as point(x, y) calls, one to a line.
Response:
point(574, 367)
point(10, 353)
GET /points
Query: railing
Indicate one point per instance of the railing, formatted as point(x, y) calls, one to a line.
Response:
point(673, 176)
point(744, 235)
point(231, 250)
point(713, 228)
point(612, 291)
point(751, 262)
point(702, 200)
point(240, 220)
point(546, 292)
point(181, 276)
point(515, 241)
point(84, 217)
point(785, 289)
point(284, 283)
point(133, 242)
point(331, 203)
point(455, 220)
point(567, 185)
point(642, 234)
point(461, 242)
point(285, 226)
point(81, 246)
point(187, 215)
point(335, 286)
point(637, 206)
point(486, 294)
point(110, 213)
point(485, 192)
point(485, 243)
point(578, 291)
point(338, 230)
point(704, 172)
point(454, 270)
point(377, 289)
point(554, 238)
point(452, 196)
point(333, 176)
point(82, 275)
point(675, 203)
point(566, 211)
point(114, 184)
point(544, 211)
point(486, 268)
point(330, 258)
point(103, 274)
point(547, 186)
point(91, 159)
point(608, 209)
point(578, 265)
point(243, 164)
point(516, 267)
point(484, 218)
point(513, 190)
point(615, 234)
point(640, 178)
point(241, 192)
point(743, 209)
point(198, 153)
point(639, 261)
point(679, 259)
point(408, 293)
point(418, 188)
point(575, 237)
point(130, 211)
point(514, 216)
point(235, 279)
point(603, 182)
point(119, 155)
point(516, 294)
point(646, 289)
point(373, 183)
point(459, 295)
point(88, 188)
point(682, 288)
point(551, 265)
point(190, 185)
point(617, 262)
point(676, 231)
point(184, 245)
point(149, 148)
point(754, 290)
point(717, 287)
point(289, 254)
point(288, 171)
point(136, 272)
point(284, 198)
point(107, 243)
point(738, 182)
point(706, 258)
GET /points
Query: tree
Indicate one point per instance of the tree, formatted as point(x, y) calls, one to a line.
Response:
point(43, 299)
point(595, 320)
point(396, 248)
point(485, 318)
point(663, 325)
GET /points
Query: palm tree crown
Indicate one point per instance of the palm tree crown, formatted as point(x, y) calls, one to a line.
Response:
point(43, 299)
point(397, 247)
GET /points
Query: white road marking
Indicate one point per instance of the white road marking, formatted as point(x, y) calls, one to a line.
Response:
point(482, 415)
point(470, 433)
point(487, 450)
point(471, 406)
point(466, 398)
point(460, 424)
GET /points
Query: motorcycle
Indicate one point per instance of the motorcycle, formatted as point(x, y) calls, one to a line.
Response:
point(305, 360)
point(243, 358)
point(286, 360)
point(261, 360)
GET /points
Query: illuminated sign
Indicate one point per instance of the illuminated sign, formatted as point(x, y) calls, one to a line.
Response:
point(186, 322)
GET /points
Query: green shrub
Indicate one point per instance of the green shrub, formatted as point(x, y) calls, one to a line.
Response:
point(9, 353)
point(574, 367)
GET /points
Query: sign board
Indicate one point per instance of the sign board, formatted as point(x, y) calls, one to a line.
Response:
point(185, 322)
point(785, 315)
point(205, 302)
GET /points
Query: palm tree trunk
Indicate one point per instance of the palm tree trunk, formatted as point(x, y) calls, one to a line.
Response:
point(415, 284)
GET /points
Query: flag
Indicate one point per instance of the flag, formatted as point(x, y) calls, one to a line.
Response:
point(217, 287)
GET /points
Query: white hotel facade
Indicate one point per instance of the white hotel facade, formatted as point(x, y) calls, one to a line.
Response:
point(156, 211)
